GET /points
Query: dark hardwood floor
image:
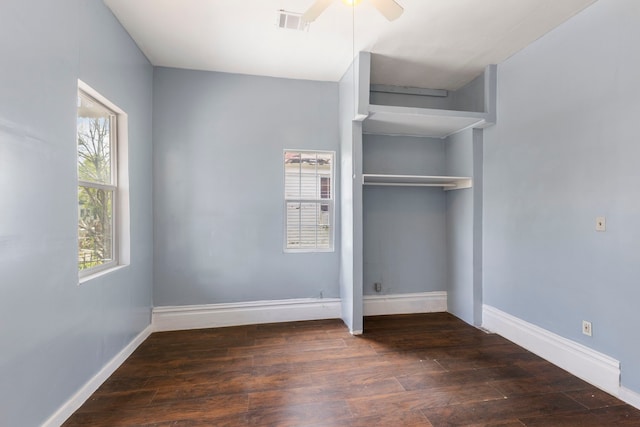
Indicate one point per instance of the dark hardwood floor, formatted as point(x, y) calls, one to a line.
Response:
point(412, 370)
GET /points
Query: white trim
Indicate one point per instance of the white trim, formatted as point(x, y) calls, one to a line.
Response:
point(173, 318)
point(629, 396)
point(119, 186)
point(81, 396)
point(330, 201)
point(423, 302)
point(583, 362)
point(99, 97)
point(99, 273)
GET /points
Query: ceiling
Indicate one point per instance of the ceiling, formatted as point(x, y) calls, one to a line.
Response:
point(440, 44)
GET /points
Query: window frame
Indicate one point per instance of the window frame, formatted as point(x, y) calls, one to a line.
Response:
point(318, 201)
point(118, 186)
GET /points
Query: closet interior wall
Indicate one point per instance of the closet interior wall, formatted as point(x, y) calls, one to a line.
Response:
point(400, 150)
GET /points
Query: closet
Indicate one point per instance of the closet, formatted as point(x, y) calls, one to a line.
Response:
point(414, 169)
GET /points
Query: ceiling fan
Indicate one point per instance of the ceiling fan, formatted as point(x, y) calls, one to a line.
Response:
point(388, 8)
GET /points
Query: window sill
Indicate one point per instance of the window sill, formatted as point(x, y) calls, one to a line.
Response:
point(84, 279)
point(308, 251)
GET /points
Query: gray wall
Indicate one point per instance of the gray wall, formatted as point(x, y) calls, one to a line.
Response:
point(464, 221)
point(55, 334)
point(564, 151)
point(218, 179)
point(404, 227)
point(353, 105)
point(470, 97)
point(348, 255)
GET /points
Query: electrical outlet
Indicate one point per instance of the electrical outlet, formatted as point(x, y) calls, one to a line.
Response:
point(586, 328)
point(377, 287)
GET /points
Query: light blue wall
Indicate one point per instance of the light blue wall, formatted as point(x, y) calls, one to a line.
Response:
point(346, 112)
point(478, 218)
point(353, 101)
point(218, 175)
point(564, 151)
point(403, 155)
point(404, 227)
point(464, 221)
point(469, 97)
point(55, 334)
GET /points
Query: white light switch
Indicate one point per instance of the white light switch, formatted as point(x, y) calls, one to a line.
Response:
point(601, 223)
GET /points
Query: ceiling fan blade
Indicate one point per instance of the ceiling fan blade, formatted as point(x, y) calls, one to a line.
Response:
point(315, 10)
point(389, 8)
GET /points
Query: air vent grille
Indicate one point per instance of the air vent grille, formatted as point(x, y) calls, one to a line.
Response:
point(291, 21)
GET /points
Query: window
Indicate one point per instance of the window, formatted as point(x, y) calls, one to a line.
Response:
point(98, 191)
point(308, 193)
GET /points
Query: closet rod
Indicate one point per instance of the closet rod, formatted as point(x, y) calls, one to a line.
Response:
point(408, 184)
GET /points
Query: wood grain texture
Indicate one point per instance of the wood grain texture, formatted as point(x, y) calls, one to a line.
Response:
point(426, 370)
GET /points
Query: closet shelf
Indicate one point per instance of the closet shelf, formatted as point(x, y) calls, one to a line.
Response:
point(425, 122)
point(445, 182)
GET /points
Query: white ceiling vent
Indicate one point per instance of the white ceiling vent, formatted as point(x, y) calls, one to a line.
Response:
point(291, 21)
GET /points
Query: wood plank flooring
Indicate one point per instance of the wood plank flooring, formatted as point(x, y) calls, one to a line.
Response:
point(410, 370)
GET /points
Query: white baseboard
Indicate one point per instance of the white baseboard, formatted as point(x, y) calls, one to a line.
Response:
point(423, 302)
point(72, 405)
point(172, 318)
point(630, 397)
point(583, 362)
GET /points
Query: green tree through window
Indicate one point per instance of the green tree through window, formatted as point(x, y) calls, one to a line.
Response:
point(96, 126)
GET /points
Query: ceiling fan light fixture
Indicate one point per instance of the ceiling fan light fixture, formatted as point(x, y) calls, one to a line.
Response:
point(351, 2)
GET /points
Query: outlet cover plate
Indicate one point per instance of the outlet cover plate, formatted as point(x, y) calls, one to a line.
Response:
point(586, 328)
